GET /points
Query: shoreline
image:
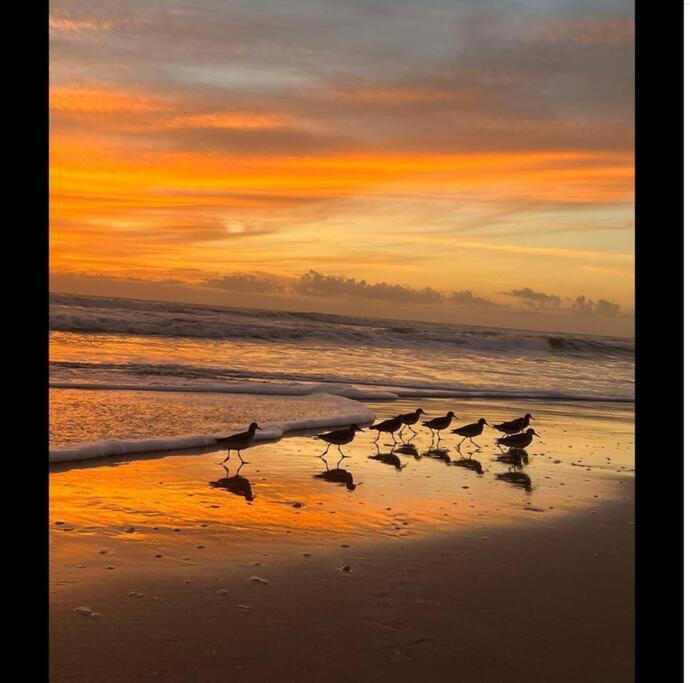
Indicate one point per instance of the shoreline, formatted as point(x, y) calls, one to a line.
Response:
point(475, 573)
point(359, 413)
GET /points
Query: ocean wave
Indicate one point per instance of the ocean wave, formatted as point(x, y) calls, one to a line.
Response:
point(71, 313)
point(370, 393)
point(351, 412)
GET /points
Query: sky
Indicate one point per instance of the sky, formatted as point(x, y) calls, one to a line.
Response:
point(455, 160)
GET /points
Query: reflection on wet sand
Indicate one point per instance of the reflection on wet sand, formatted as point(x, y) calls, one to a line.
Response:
point(389, 458)
point(338, 476)
point(409, 449)
point(516, 458)
point(439, 454)
point(470, 464)
point(240, 486)
point(519, 479)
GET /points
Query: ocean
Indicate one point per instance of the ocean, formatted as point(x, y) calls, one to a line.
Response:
point(113, 358)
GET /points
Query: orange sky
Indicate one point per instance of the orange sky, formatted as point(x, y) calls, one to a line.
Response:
point(446, 148)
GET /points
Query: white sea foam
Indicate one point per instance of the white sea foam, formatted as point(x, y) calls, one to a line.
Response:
point(350, 413)
point(263, 388)
point(384, 393)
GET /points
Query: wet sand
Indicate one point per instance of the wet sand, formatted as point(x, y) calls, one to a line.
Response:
point(430, 569)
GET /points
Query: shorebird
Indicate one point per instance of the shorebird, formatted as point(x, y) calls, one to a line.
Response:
point(517, 441)
point(439, 423)
point(468, 431)
point(409, 419)
point(238, 442)
point(240, 486)
point(514, 426)
point(389, 426)
point(338, 438)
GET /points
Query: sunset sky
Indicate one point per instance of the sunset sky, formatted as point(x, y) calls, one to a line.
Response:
point(475, 156)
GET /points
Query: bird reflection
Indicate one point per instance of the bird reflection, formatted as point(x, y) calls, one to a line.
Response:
point(470, 464)
point(439, 454)
point(409, 449)
point(338, 476)
point(519, 479)
point(390, 458)
point(240, 486)
point(515, 457)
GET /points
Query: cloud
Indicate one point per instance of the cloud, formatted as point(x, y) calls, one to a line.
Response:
point(467, 298)
point(317, 284)
point(601, 307)
point(541, 299)
point(246, 283)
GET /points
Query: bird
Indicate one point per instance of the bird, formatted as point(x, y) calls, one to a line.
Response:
point(517, 441)
point(514, 426)
point(338, 438)
point(389, 426)
point(238, 442)
point(409, 419)
point(468, 431)
point(437, 424)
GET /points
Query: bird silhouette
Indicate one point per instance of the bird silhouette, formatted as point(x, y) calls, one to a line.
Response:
point(389, 426)
point(338, 438)
point(468, 431)
point(514, 426)
point(517, 441)
point(437, 424)
point(239, 442)
point(409, 419)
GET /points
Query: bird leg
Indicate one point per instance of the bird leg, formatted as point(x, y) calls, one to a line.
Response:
point(242, 460)
point(343, 454)
point(472, 440)
point(227, 457)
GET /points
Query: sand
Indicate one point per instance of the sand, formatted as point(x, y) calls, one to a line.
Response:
point(429, 570)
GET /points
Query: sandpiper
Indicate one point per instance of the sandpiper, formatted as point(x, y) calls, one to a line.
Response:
point(437, 424)
point(239, 442)
point(389, 426)
point(514, 426)
point(409, 419)
point(517, 441)
point(468, 431)
point(338, 438)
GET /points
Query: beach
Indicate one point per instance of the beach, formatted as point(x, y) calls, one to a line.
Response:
point(425, 568)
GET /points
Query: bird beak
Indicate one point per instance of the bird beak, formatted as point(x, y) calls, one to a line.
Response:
point(259, 428)
point(539, 435)
point(424, 412)
point(359, 429)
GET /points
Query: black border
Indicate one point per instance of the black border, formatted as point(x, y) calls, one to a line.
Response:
point(659, 240)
